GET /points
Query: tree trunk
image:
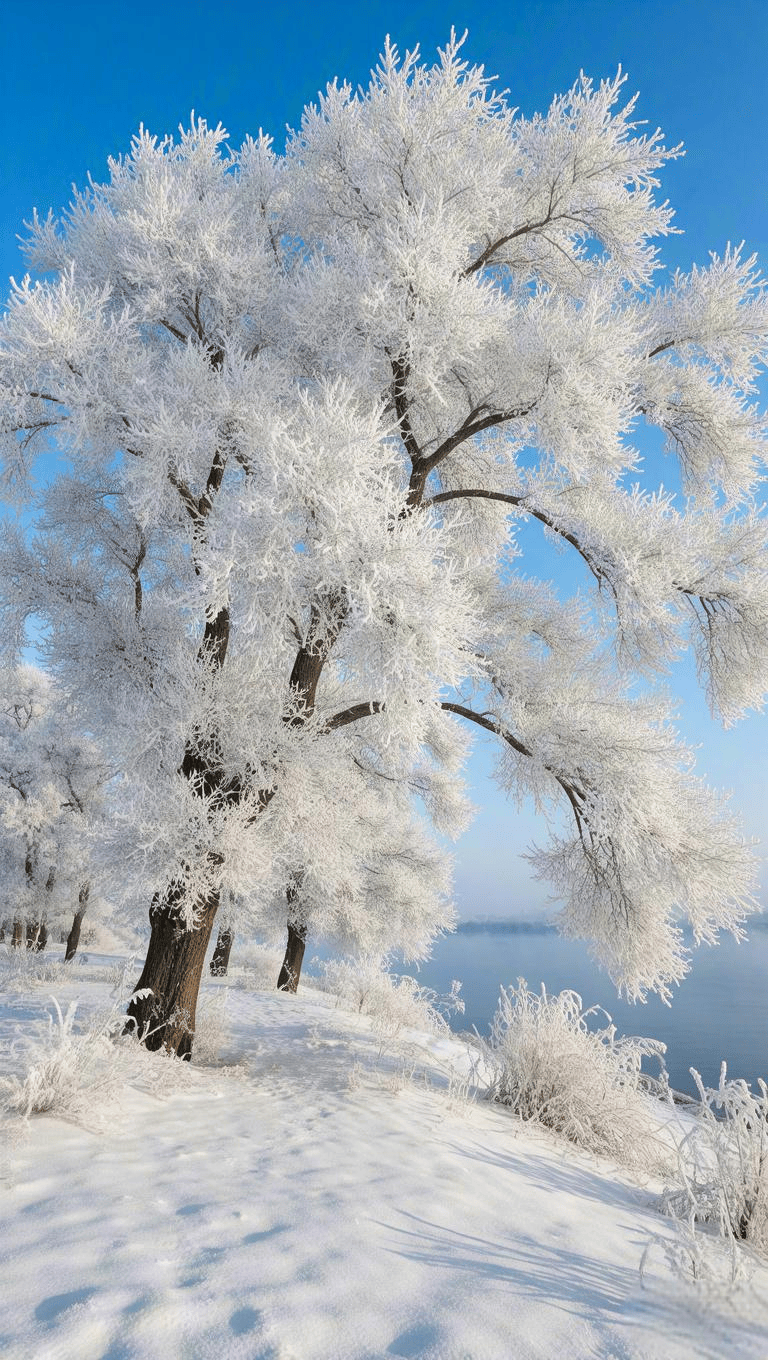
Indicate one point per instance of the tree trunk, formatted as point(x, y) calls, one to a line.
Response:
point(290, 972)
point(172, 970)
point(73, 938)
point(175, 957)
point(220, 960)
point(17, 938)
point(36, 931)
point(37, 936)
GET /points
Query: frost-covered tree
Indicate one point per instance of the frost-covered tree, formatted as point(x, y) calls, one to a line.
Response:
point(30, 809)
point(306, 399)
point(363, 875)
point(51, 782)
point(374, 879)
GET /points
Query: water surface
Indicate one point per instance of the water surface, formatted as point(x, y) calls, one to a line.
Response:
point(719, 1012)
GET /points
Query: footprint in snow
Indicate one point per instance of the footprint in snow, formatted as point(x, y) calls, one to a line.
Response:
point(48, 1310)
point(244, 1320)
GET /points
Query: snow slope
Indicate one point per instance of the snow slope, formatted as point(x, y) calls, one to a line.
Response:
point(320, 1198)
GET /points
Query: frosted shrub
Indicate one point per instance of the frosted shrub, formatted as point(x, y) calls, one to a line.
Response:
point(68, 1074)
point(211, 1029)
point(546, 1063)
point(21, 969)
point(393, 1002)
point(255, 967)
point(723, 1163)
point(699, 1260)
point(78, 1072)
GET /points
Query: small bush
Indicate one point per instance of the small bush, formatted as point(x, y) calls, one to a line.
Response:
point(78, 1074)
point(254, 968)
point(23, 969)
point(548, 1065)
point(393, 1002)
point(211, 1028)
point(723, 1163)
point(700, 1261)
point(68, 1074)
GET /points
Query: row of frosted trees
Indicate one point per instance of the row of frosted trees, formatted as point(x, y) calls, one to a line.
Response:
point(52, 785)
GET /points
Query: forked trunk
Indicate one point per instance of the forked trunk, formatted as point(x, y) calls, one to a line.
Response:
point(172, 970)
point(73, 938)
point(290, 972)
point(221, 953)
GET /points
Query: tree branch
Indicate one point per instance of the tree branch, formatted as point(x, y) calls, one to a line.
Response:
point(327, 617)
point(174, 331)
point(46, 396)
point(401, 372)
point(519, 501)
point(190, 501)
point(574, 795)
point(471, 427)
point(474, 424)
point(490, 250)
point(668, 344)
point(354, 714)
point(134, 571)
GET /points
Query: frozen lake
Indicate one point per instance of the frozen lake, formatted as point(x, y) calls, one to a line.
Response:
point(719, 1012)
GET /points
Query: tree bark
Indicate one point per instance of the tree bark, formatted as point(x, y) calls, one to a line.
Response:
point(221, 953)
point(73, 938)
point(17, 938)
point(290, 972)
point(37, 936)
point(36, 931)
point(175, 957)
point(172, 970)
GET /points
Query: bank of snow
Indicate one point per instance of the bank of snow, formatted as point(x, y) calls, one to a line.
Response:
point(324, 1198)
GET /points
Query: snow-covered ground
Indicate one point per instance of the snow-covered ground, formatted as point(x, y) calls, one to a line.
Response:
point(321, 1194)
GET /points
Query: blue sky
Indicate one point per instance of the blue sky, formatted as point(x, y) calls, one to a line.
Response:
point(79, 78)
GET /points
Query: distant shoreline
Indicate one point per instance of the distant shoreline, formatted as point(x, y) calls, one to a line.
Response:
point(504, 926)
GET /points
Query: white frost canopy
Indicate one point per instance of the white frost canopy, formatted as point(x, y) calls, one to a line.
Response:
point(302, 403)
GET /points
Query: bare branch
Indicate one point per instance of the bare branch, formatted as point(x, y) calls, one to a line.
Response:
point(519, 502)
point(354, 714)
point(174, 331)
point(490, 723)
point(472, 425)
point(327, 617)
point(525, 230)
point(191, 502)
point(574, 795)
point(668, 344)
point(136, 578)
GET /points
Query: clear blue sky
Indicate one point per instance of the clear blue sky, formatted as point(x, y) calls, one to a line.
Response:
point(79, 78)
